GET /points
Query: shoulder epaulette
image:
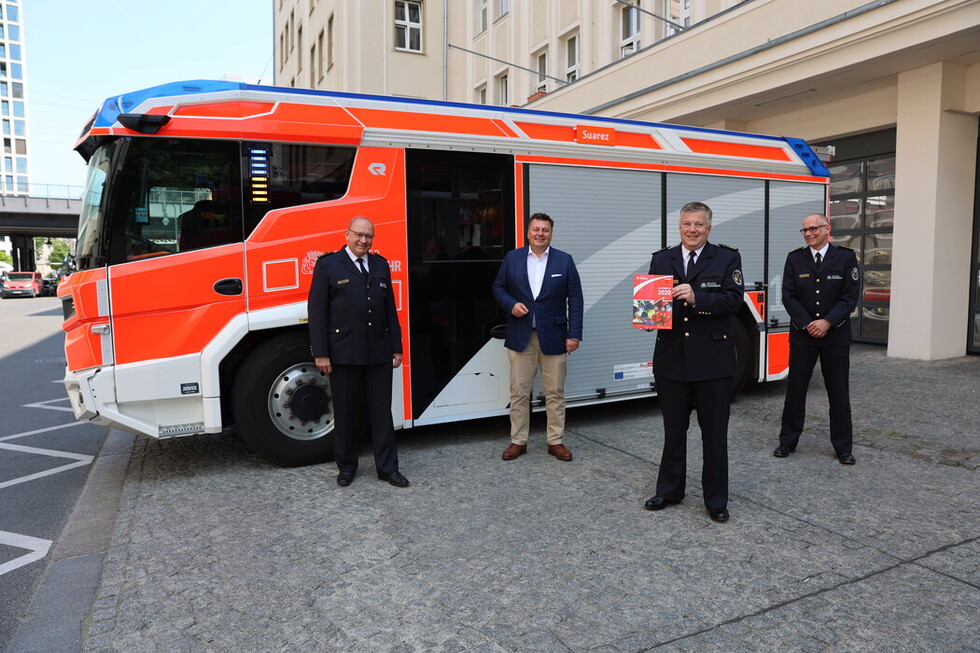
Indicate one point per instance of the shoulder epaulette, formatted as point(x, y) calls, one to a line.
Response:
point(325, 254)
point(380, 257)
point(850, 249)
point(660, 250)
point(799, 249)
point(728, 246)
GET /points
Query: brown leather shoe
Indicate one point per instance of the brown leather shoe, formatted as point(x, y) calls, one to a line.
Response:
point(513, 451)
point(559, 451)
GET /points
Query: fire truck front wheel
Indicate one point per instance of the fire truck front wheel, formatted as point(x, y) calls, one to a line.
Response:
point(743, 353)
point(282, 405)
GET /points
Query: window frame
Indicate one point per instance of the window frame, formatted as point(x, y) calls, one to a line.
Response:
point(408, 26)
point(629, 29)
point(572, 64)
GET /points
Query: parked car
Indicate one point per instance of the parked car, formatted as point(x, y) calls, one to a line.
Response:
point(50, 288)
point(22, 284)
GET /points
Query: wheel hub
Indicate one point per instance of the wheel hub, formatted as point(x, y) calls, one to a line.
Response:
point(299, 402)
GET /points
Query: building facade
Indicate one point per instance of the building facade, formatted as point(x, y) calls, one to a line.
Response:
point(893, 86)
point(14, 179)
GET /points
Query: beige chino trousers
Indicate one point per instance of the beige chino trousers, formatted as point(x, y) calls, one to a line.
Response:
point(523, 368)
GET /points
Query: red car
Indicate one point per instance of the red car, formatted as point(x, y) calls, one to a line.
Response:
point(20, 284)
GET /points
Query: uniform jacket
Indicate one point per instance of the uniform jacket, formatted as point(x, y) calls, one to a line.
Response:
point(353, 322)
point(830, 293)
point(557, 310)
point(701, 344)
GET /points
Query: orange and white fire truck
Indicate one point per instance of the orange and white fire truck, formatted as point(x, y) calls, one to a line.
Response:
point(207, 204)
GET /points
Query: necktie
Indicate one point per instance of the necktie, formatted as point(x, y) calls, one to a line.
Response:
point(364, 273)
point(818, 258)
point(690, 263)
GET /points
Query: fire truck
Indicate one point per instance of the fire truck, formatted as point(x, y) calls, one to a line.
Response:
point(207, 204)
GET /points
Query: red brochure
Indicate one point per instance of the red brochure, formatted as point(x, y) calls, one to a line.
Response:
point(652, 301)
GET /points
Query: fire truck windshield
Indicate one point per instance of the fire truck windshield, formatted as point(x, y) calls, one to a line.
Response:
point(90, 221)
point(149, 197)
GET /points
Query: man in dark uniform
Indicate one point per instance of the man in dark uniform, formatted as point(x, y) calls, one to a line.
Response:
point(820, 290)
point(355, 337)
point(694, 362)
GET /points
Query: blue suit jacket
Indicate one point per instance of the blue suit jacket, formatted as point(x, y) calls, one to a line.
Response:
point(557, 310)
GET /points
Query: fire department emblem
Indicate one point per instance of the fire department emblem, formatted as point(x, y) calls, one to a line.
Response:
point(854, 273)
point(737, 277)
point(309, 261)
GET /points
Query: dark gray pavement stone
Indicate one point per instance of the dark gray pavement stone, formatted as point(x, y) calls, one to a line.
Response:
point(215, 550)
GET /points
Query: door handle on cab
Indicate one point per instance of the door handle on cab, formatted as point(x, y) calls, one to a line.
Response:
point(228, 287)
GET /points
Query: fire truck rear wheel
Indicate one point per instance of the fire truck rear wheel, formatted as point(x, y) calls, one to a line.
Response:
point(282, 403)
point(743, 355)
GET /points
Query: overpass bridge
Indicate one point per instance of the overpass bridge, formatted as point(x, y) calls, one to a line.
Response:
point(24, 217)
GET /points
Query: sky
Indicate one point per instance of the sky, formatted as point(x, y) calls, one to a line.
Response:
point(80, 52)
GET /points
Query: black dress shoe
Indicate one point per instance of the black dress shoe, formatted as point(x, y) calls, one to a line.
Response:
point(782, 452)
point(846, 459)
point(659, 503)
point(345, 478)
point(718, 514)
point(395, 478)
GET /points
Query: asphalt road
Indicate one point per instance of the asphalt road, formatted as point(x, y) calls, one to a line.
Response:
point(45, 455)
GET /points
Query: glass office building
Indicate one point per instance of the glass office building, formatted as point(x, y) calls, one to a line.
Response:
point(13, 101)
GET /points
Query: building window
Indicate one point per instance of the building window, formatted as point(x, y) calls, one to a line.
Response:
point(481, 16)
point(862, 206)
point(503, 97)
point(299, 43)
point(481, 95)
point(630, 29)
point(503, 6)
point(408, 25)
point(319, 61)
point(330, 42)
point(571, 58)
point(542, 85)
point(313, 66)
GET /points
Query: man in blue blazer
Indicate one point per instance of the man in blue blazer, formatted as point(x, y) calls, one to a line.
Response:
point(540, 289)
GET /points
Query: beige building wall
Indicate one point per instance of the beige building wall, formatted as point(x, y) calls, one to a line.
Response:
point(816, 70)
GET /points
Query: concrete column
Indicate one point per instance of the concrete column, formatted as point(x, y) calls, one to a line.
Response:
point(934, 185)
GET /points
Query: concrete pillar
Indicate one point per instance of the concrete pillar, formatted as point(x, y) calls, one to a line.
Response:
point(936, 153)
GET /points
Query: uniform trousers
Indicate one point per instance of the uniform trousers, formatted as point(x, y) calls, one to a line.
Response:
point(353, 386)
point(713, 398)
point(523, 367)
point(835, 366)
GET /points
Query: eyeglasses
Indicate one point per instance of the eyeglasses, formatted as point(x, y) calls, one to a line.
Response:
point(359, 235)
point(810, 230)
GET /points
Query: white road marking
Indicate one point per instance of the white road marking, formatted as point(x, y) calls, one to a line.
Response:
point(44, 404)
point(38, 549)
point(48, 428)
point(81, 460)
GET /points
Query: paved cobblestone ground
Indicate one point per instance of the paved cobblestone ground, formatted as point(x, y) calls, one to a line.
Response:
point(214, 550)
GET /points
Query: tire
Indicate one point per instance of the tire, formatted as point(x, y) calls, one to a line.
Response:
point(743, 356)
point(282, 403)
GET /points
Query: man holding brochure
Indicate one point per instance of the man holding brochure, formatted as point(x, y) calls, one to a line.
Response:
point(694, 361)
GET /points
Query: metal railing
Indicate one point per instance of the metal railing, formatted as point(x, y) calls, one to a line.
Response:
point(52, 191)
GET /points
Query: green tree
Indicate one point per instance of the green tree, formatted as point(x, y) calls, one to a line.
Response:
point(6, 258)
point(59, 250)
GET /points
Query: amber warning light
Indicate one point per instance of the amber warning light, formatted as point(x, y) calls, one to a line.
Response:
point(589, 135)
